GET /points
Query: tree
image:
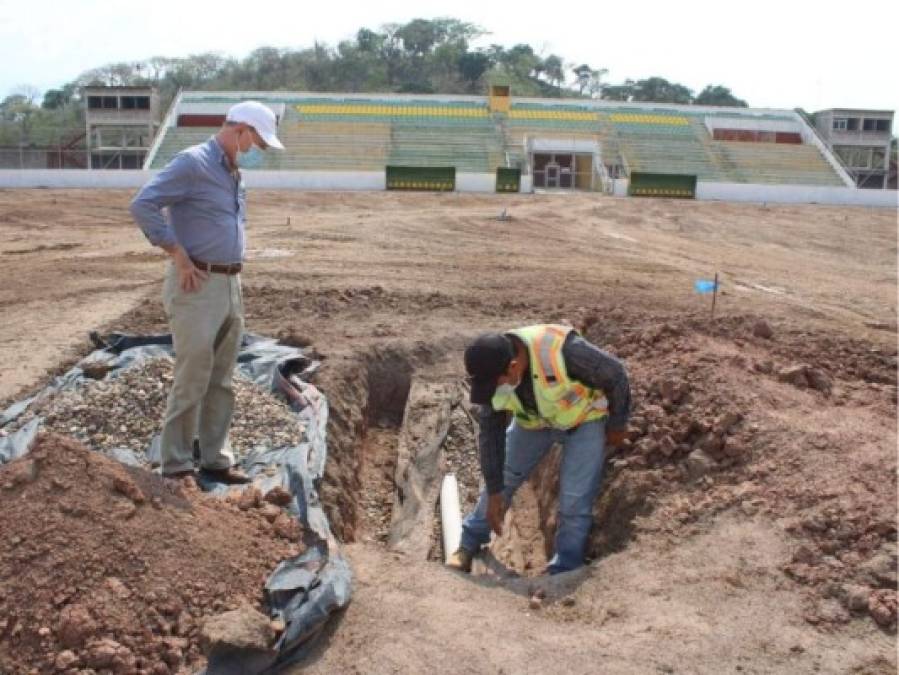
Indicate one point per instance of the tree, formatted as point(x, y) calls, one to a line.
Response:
point(719, 95)
point(19, 109)
point(472, 66)
point(554, 70)
point(55, 99)
point(522, 62)
point(368, 41)
point(619, 92)
point(588, 80)
point(419, 36)
point(660, 90)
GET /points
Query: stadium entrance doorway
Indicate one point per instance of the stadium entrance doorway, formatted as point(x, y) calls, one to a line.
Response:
point(565, 170)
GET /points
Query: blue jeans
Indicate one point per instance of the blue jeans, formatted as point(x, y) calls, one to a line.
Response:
point(583, 451)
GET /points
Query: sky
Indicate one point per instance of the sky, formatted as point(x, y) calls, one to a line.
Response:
point(777, 54)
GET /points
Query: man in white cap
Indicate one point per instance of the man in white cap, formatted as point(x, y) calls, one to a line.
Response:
point(195, 210)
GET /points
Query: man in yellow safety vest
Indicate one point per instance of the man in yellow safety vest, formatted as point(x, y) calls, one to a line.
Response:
point(558, 388)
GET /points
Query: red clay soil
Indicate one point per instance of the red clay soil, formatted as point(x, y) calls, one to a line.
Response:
point(111, 569)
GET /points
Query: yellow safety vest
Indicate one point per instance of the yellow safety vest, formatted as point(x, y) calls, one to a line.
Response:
point(562, 403)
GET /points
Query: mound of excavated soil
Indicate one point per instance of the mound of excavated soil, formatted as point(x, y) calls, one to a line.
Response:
point(112, 569)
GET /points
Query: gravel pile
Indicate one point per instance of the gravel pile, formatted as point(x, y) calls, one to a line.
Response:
point(126, 411)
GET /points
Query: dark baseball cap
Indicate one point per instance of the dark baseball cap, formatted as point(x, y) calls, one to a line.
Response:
point(485, 360)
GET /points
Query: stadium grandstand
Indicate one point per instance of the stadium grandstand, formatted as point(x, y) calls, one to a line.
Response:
point(428, 141)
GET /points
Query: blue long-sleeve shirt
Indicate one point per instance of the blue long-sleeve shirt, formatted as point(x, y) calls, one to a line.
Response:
point(584, 362)
point(198, 202)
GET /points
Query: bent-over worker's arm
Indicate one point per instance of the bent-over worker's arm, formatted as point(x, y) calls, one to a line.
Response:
point(598, 369)
point(492, 447)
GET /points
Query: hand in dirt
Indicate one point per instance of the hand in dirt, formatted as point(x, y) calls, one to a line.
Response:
point(496, 509)
point(616, 438)
point(190, 277)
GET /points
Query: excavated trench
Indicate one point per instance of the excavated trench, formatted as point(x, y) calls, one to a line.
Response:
point(397, 426)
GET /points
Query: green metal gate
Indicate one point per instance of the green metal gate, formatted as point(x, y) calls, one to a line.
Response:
point(662, 185)
point(421, 178)
point(508, 179)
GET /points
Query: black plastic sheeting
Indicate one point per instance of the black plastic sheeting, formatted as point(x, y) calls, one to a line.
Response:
point(303, 591)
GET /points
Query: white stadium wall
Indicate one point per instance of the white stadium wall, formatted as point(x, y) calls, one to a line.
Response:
point(796, 194)
point(272, 180)
point(465, 182)
point(316, 180)
point(475, 182)
point(73, 178)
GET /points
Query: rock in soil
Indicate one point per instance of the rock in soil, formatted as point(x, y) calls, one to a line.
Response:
point(242, 628)
point(239, 641)
point(278, 496)
point(882, 606)
point(698, 464)
point(762, 329)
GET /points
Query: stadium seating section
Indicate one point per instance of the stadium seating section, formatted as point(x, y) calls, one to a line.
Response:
point(368, 134)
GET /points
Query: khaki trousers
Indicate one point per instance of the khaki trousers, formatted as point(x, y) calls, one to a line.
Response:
point(206, 325)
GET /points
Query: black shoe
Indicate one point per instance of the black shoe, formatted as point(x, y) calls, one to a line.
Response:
point(229, 476)
point(179, 475)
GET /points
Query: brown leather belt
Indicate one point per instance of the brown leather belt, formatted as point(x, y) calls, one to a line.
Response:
point(233, 268)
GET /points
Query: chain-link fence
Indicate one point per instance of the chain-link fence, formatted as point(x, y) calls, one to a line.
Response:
point(42, 147)
point(59, 157)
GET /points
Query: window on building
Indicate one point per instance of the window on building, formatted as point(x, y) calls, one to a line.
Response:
point(878, 158)
point(110, 102)
point(128, 103)
point(94, 102)
point(143, 102)
point(840, 124)
point(852, 124)
point(876, 125)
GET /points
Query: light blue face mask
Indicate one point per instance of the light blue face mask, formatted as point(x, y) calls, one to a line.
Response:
point(251, 159)
point(505, 390)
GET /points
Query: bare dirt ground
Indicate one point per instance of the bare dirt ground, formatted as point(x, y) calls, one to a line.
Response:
point(775, 555)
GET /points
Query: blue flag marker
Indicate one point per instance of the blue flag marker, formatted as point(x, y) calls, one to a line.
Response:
point(704, 286)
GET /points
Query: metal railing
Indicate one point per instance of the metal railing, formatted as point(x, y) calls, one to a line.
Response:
point(167, 122)
point(831, 157)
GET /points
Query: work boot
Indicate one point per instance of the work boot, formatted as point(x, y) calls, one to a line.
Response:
point(180, 475)
point(461, 560)
point(229, 476)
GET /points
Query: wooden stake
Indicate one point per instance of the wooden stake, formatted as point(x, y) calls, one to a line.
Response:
point(714, 295)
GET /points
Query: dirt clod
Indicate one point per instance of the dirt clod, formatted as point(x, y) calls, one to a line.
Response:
point(278, 496)
point(882, 606)
point(762, 329)
point(76, 625)
point(127, 487)
point(250, 498)
point(242, 628)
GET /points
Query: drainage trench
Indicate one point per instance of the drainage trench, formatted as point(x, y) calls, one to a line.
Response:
point(394, 433)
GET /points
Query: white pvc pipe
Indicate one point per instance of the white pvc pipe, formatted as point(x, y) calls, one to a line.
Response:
point(450, 515)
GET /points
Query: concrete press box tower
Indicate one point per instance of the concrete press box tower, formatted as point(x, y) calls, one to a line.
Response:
point(121, 124)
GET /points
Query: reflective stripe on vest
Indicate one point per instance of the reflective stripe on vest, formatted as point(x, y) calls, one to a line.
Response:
point(562, 403)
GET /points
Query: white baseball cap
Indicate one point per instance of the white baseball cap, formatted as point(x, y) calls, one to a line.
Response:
point(258, 116)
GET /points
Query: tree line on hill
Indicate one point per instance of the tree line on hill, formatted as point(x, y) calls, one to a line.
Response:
point(423, 56)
